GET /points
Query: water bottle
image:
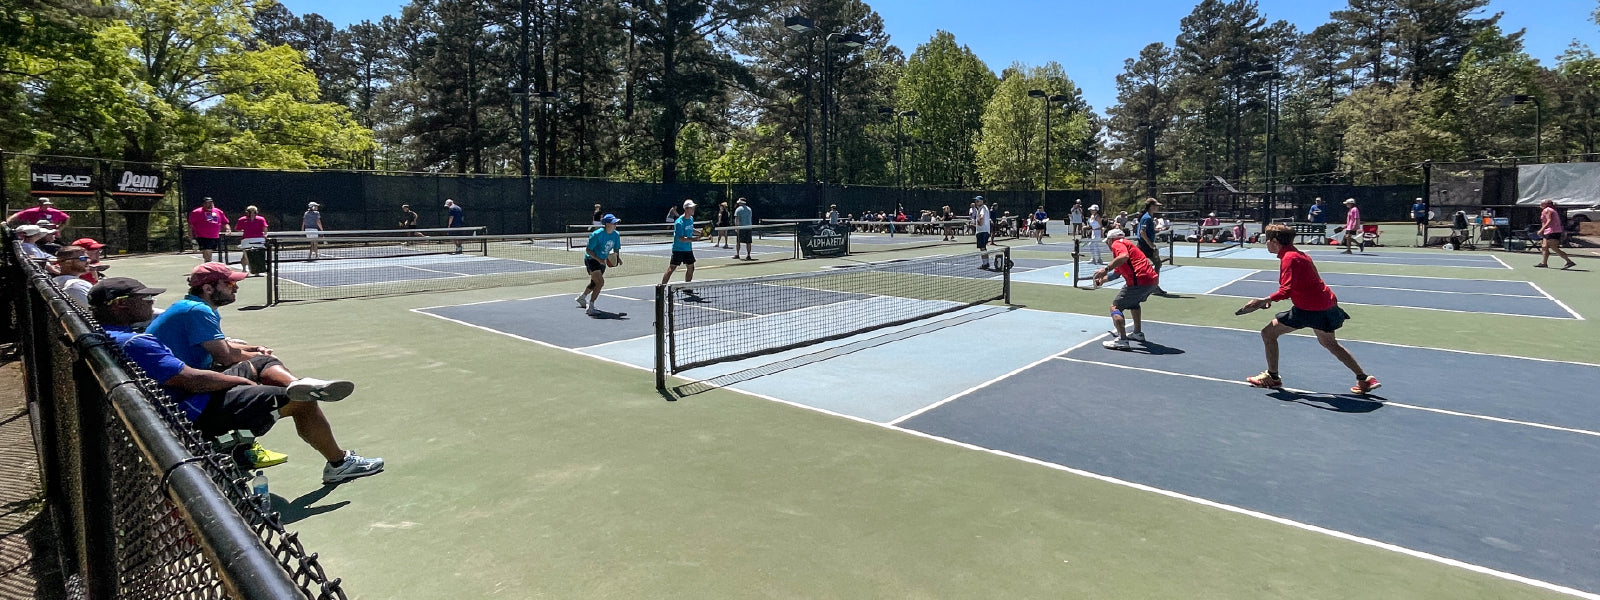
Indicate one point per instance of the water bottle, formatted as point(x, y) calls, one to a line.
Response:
point(258, 486)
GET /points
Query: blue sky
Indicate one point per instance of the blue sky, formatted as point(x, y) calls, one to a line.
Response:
point(1091, 38)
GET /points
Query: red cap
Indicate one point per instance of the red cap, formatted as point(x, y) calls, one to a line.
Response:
point(88, 243)
point(213, 272)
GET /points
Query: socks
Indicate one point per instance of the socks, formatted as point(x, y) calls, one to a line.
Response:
point(1273, 374)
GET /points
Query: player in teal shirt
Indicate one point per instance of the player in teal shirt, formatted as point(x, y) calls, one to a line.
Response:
point(604, 250)
point(682, 245)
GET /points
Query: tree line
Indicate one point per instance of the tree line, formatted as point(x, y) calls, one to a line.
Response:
point(743, 91)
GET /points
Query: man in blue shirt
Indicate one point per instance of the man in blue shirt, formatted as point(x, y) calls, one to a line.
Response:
point(1419, 213)
point(1319, 215)
point(1147, 238)
point(743, 218)
point(682, 244)
point(457, 219)
point(221, 402)
point(603, 250)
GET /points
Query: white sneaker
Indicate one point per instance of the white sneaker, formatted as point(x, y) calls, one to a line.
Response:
point(306, 389)
point(592, 311)
point(1116, 344)
point(354, 466)
point(1137, 336)
point(581, 302)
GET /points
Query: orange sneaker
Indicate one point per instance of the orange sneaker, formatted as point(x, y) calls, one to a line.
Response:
point(1265, 380)
point(1365, 386)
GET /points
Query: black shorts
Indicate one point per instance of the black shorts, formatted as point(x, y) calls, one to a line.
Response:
point(682, 257)
point(209, 243)
point(744, 237)
point(1152, 254)
point(983, 240)
point(1423, 220)
point(592, 265)
point(1039, 225)
point(251, 369)
point(1320, 320)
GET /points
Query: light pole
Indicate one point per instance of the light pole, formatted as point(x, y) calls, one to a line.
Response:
point(524, 95)
point(1044, 196)
point(899, 139)
point(1270, 75)
point(1538, 121)
point(801, 24)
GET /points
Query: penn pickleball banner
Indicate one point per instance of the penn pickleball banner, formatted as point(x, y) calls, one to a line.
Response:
point(137, 183)
point(823, 239)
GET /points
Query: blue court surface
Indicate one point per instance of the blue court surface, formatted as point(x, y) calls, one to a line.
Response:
point(1373, 256)
point(1484, 296)
point(1476, 458)
point(1517, 298)
point(332, 273)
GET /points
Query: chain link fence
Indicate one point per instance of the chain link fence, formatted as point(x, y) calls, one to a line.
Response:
point(141, 504)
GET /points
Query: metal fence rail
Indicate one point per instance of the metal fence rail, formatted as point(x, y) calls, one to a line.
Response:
point(142, 506)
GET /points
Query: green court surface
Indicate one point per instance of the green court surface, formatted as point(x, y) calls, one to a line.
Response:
point(521, 470)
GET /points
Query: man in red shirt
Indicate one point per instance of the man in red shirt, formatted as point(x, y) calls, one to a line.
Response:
point(1314, 306)
point(1139, 281)
point(92, 248)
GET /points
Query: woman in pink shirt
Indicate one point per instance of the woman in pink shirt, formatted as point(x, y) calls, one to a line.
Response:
point(253, 227)
point(1551, 228)
point(1352, 224)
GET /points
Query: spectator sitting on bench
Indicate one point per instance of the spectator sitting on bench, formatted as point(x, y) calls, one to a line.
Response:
point(192, 329)
point(237, 398)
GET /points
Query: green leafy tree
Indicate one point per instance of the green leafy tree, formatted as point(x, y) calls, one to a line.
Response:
point(1494, 67)
point(948, 86)
point(1388, 128)
point(1011, 151)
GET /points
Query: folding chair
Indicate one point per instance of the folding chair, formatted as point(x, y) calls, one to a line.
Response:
point(1369, 236)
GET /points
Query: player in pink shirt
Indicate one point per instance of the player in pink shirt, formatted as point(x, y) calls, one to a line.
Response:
point(45, 210)
point(206, 224)
point(1352, 224)
point(1552, 229)
point(253, 229)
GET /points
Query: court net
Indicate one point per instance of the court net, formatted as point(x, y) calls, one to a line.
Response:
point(867, 237)
point(352, 267)
point(708, 322)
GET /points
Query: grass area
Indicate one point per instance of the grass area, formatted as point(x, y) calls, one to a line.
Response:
point(519, 470)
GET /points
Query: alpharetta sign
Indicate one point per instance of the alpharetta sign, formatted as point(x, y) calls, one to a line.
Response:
point(58, 180)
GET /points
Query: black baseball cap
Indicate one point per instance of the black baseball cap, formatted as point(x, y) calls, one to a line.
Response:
point(112, 288)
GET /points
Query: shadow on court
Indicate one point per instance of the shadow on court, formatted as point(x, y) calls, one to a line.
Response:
point(300, 508)
point(1335, 403)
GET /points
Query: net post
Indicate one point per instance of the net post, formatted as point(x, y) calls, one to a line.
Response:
point(1077, 256)
point(1005, 276)
point(1172, 240)
point(273, 268)
point(661, 337)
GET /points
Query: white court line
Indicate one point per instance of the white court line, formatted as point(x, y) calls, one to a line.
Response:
point(1449, 310)
point(1400, 289)
point(1236, 280)
point(1502, 263)
point(1108, 479)
point(1312, 392)
point(992, 381)
point(1558, 301)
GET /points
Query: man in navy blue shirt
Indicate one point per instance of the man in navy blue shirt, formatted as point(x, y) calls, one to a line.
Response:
point(1419, 213)
point(1147, 238)
point(457, 219)
point(232, 399)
